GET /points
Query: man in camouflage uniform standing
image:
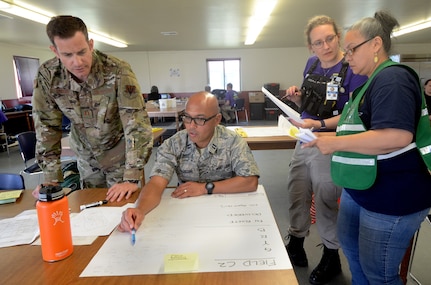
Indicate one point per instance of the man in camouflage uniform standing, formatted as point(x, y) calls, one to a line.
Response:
point(110, 129)
point(206, 157)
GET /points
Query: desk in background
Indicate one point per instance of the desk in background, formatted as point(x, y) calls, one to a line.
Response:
point(24, 264)
point(18, 122)
point(269, 138)
point(156, 112)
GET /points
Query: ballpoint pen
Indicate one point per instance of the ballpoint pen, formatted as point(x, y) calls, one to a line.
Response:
point(133, 236)
point(94, 204)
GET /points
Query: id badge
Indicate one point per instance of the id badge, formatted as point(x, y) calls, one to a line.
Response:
point(331, 91)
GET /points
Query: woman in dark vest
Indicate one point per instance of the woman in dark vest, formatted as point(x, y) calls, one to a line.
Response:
point(309, 169)
point(375, 157)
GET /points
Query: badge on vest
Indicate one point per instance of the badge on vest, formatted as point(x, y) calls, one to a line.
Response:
point(332, 87)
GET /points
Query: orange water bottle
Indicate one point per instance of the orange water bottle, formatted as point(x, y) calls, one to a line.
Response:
point(54, 223)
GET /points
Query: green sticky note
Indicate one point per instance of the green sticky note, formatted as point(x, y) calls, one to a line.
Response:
point(181, 262)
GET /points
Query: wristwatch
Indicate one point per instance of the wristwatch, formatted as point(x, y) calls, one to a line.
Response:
point(210, 187)
point(132, 181)
point(322, 125)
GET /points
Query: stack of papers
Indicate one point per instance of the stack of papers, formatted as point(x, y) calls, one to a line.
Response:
point(21, 229)
point(303, 135)
point(9, 196)
point(284, 128)
point(291, 113)
point(86, 226)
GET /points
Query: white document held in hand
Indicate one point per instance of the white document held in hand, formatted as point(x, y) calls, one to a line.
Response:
point(304, 135)
point(291, 113)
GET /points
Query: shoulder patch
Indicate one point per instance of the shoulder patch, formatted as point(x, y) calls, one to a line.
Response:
point(130, 91)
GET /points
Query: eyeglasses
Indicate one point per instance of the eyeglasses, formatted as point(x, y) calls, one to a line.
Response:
point(350, 51)
point(198, 121)
point(319, 44)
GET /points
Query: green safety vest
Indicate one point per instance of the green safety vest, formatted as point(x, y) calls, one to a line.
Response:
point(358, 171)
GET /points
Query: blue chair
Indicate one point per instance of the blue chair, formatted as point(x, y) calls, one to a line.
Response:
point(11, 181)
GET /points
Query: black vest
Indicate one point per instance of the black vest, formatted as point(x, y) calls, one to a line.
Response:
point(313, 91)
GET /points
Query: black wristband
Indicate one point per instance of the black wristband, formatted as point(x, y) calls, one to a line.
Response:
point(210, 187)
point(322, 125)
point(132, 181)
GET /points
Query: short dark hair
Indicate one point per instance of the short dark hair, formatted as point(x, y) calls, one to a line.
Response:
point(426, 82)
point(65, 27)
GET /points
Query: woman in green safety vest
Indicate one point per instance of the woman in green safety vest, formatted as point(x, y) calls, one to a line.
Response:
point(386, 184)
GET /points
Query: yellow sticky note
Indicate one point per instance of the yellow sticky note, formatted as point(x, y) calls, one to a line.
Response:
point(181, 262)
point(156, 129)
point(241, 132)
point(14, 194)
point(293, 131)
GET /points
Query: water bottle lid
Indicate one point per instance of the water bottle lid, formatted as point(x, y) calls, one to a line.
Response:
point(50, 193)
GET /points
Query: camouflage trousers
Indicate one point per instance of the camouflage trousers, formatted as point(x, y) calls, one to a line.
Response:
point(93, 176)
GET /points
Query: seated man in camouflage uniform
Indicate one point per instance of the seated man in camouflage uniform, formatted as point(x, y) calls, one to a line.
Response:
point(207, 158)
point(110, 129)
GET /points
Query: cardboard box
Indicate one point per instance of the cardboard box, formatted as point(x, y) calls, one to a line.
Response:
point(256, 97)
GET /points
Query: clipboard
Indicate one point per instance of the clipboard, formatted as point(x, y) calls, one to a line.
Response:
point(291, 113)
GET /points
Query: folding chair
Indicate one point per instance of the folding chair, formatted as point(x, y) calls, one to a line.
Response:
point(27, 147)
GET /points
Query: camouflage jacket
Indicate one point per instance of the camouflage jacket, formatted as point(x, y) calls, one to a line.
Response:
point(104, 111)
point(227, 155)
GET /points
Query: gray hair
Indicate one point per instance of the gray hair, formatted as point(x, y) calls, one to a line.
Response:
point(381, 25)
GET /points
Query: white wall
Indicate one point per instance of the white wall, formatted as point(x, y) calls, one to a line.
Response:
point(258, 66)
point(422, 68)
point(7, 76)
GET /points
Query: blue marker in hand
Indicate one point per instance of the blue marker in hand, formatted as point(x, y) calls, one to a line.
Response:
point(133, 236)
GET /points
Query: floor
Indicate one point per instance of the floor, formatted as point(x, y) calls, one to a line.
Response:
point(273, 165)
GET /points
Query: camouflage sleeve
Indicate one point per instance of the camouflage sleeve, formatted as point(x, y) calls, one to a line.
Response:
point(136, 124)
point(166, 162)
point(47, 123)
point(243, 162)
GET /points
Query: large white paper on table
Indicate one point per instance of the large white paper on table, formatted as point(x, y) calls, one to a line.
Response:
point(232, 232)
point(291, 113)
point(97, 221)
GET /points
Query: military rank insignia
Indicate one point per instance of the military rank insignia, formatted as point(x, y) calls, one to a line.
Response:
point(130, 91)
